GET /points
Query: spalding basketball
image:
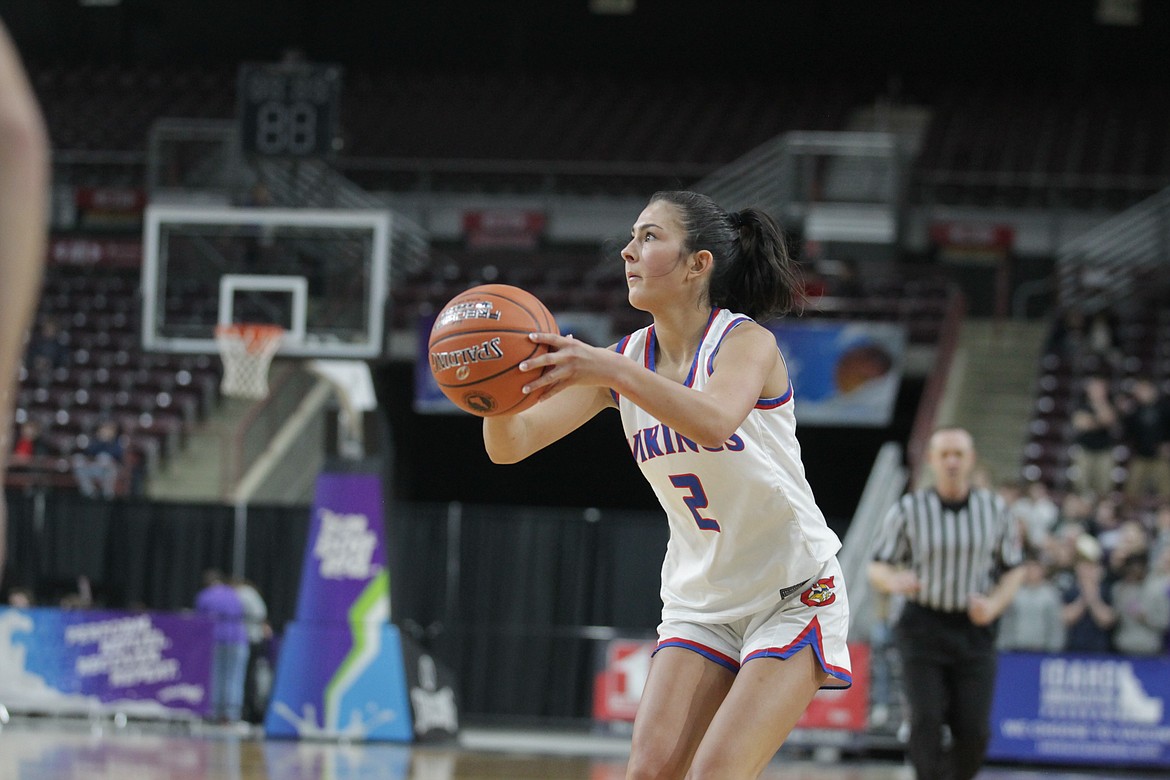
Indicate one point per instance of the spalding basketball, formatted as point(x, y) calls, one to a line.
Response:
point(477, 342)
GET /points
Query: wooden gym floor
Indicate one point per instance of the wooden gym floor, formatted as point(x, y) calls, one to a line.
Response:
point(77, 749)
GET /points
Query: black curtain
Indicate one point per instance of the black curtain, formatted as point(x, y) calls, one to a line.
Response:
point(516, 600)
point(523, 615)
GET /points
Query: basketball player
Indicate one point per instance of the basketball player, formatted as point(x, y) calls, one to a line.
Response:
point(755, 614)
point(24, 182)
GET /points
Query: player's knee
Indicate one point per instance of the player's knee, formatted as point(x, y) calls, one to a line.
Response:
point(655, 764)
point(716, 765)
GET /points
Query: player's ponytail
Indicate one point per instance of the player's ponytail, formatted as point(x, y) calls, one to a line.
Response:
point(753, 273)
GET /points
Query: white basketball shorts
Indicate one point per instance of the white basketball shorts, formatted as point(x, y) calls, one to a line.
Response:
point(816, 616)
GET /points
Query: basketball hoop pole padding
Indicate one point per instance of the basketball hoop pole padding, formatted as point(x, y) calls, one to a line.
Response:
point(247, 351)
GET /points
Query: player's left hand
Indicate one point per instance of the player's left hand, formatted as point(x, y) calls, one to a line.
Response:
point(569, 362)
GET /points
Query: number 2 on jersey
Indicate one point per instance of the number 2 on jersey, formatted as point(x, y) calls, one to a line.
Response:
point(695, 500)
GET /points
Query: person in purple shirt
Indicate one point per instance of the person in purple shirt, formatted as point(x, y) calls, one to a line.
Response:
point(220, 602)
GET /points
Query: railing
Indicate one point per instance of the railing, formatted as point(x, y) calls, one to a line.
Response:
point(936, 384)
point(885, 484)
point(1103, 267)
point(261, 424)
point(1055, 189)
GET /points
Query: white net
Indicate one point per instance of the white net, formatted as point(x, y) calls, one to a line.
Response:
point(247, 351)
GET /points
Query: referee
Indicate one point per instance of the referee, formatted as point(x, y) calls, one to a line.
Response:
point(954, 552)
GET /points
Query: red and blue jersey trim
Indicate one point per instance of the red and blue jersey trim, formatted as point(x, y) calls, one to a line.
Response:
point(620, 348)
point(726, 329)
point(810, 637)
point(726, 661)
point(778, 401)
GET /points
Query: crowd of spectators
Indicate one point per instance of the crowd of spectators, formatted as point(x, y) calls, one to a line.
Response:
point(98, 459)
point(1099, 549)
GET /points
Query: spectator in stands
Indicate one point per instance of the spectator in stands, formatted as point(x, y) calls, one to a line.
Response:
point(30, 444)
point(1067, 335)
point(1037, 513)
point(1060, 555)
point(259, 633)
point(1095, 422)
point(24, 195)
point(1101, 339)
point(1146, 422)
point(1090, 340)
point(1033, 621)
point(20, 598)
point(220, 602)
point(46, 349)
point(1105, 526)
point(1088, 615)
point(1160, 533)
point(1131, 539)
point(97, 467)
point(1142, 605)
point(1075, 510)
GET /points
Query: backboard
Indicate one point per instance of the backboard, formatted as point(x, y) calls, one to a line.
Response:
point(320, 274)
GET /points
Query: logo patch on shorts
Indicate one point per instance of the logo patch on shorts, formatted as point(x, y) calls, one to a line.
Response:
point(820, 594)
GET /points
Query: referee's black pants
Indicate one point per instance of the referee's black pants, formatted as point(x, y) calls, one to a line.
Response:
point(948, 673)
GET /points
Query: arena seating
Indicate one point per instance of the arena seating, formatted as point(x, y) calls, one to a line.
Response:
point(583, 279)
point(154, 398)
point(1052, 144)
point(1141, 348)
point(1040, 144)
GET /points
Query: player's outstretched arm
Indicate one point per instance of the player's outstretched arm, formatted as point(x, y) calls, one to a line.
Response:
point(511, 438)
point(747, 367)
point(24, 184)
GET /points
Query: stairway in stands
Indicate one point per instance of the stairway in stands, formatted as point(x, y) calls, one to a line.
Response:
point(992, 389)
point(197, 473)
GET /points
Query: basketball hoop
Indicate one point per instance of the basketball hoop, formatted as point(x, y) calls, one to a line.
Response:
point(247, 350)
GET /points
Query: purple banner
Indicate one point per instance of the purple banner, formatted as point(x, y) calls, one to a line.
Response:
point(340, 669)
point(76, 661)
point(347, 547)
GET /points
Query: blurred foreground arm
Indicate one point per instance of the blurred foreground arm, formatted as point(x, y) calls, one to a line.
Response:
point(24, 185)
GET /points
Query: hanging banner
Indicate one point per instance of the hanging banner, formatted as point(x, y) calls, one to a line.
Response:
point(142, 664)
point(1082, 709)
point(843, 373)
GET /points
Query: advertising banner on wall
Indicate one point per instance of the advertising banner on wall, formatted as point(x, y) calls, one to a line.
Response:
point(1081, 709)
point(141, 664)
point(843, 373)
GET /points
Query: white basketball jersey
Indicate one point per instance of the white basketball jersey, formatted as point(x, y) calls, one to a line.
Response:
point(744, 526)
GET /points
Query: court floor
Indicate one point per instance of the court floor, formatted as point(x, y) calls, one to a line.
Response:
point(76, 749)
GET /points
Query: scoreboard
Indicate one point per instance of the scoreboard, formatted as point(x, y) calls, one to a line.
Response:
point(288, 110)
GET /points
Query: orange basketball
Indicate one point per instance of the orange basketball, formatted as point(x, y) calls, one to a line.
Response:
point(477, 342)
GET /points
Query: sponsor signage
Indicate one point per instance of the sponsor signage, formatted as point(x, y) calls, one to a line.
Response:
point(143, 664)
point(1082, 709)
point(843, 373)
point(340, 672)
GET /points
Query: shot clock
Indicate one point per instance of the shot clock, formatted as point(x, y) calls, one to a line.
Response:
point(288, 109)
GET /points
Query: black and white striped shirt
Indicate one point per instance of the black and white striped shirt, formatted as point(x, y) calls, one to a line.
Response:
point(954, 549)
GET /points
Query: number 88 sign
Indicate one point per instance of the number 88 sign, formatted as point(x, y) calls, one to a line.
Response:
point(288, 110)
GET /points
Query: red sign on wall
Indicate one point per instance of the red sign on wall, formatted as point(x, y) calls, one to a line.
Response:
point(503, 229)
point(617, 689)
point(846, 709)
